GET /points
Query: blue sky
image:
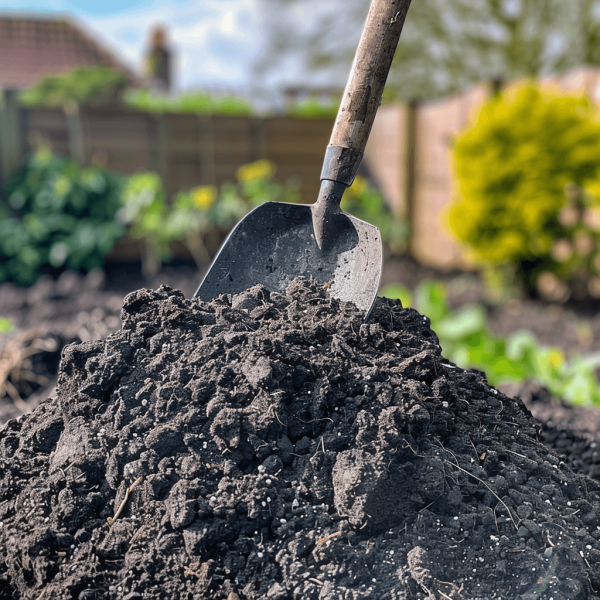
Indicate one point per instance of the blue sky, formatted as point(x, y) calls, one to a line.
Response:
point(215, 41)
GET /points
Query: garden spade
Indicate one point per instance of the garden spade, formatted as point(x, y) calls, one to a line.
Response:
point(278, 241)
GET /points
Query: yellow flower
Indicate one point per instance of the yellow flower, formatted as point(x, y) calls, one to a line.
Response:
point(555, 357)
point(261, 169)
point(204, 196)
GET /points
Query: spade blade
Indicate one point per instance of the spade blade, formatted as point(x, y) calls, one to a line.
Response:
point(275, 243)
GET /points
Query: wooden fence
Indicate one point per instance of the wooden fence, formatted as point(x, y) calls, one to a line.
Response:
point(186, 150)
point(409, 153)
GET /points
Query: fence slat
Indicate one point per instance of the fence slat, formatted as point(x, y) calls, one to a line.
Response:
point(11, 135)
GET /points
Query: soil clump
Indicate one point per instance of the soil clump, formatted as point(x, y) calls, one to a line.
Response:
point(278, 446)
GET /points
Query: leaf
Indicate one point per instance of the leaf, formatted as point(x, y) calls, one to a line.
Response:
point(462, 324)
point(5, 325)
point(519, 343)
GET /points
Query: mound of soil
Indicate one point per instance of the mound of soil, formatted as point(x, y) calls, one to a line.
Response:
point(571, 431)
point(54, 312)
point(277, 446)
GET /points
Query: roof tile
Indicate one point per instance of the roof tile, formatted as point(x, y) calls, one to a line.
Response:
point(33, 48)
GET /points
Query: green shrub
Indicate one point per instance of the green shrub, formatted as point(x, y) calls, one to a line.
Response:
point(190, 102)
point(313, 108)
point(529, 175)
point(86, 86)
point(466, 340)
point(145, 211)
point(203, 210)
point(56, 215)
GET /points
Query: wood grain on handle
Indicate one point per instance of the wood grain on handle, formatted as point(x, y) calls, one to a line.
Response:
point(370, 69)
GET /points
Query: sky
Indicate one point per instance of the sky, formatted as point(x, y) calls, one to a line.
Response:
point(215, 41)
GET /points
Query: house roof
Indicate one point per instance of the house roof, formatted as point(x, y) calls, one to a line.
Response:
point(31, 48)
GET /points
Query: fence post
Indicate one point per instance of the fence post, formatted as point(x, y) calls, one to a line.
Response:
point(75, 132)
point(206, 151)
point(11, 138)
point(410, 154)
point(158, 159)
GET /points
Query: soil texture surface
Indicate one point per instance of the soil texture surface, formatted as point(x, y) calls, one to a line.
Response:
point(568, 430)
point(55, 312)
point(279, 446)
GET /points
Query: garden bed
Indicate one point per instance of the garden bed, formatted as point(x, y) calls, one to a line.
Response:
point(279, 447)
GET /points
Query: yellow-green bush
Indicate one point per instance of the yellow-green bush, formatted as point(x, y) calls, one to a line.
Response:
point(529, 177)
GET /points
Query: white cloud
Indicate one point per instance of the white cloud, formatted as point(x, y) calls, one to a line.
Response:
point(214, 41)
point(227, 23)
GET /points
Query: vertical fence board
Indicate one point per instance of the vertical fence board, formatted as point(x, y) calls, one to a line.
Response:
point(11, 133)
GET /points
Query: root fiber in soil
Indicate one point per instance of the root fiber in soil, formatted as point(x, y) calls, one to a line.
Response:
point(278, 446)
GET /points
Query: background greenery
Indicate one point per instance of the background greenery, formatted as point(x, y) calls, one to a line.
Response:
point(466, 340)
point(529, 197)
point(85, 86)
point(56, 215)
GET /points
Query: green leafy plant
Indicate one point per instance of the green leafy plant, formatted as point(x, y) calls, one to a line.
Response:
point(203, 210)
point(85, 86)
point(5, 325)
point(196, 214)
point(190, 102)
point(529, 175)
point(145, 212)
point(314, 108)
point(466, 340)
point(56, 215)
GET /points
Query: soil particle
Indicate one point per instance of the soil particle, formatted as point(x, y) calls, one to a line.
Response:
point(572, 432)
point(277, 446)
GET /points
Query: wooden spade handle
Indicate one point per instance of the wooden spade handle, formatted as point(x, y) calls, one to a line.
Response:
point(356, 114)
point(370, 69)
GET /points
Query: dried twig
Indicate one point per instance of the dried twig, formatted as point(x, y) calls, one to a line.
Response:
point(128, 491)
point(13, 354)
point(488, 487)
point(328, 537)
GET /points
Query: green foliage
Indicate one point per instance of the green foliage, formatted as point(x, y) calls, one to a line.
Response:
point(203, 210)
point(200, 217)
point(190, 102)
point(197, 213)
point(145, 211)
point(313, 108)
point(86, 86)
point(56, 215)
point(5, 325)
point(529, 174)
point(365, 201)
point(466, 340)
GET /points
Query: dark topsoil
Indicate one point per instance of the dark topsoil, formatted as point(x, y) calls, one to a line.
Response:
point(277, 446)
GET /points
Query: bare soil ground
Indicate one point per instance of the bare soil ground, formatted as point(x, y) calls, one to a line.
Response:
point(279, 446)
